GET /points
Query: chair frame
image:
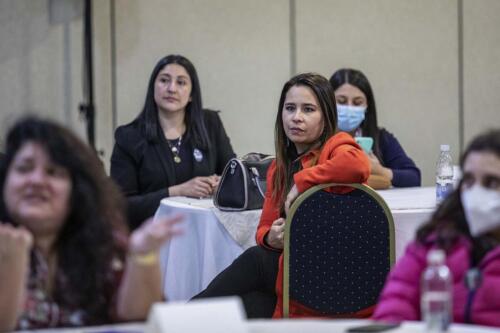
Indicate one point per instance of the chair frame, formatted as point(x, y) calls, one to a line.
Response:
point(291, 213)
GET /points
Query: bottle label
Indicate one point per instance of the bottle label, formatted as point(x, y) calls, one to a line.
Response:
point(443, 190)
point(436, 310)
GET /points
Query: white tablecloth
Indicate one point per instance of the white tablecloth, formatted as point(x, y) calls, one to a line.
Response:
point(410, 207)
point(213, 239)
point(190, 261)
point(340, 326)
point(284, 326)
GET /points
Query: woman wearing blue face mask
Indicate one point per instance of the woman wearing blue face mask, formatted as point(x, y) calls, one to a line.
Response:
point(467, 227)
point(357, 115)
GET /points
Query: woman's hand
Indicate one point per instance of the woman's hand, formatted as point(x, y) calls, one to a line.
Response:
point(197, 187)
point(141, 285)
point(15, 246)
point(377, 168)
point(290, 198)
point(276, 235)
point(151, 235)
point(215, 182)
point(14, 242)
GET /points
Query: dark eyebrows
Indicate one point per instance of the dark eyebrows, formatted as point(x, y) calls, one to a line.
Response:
point(168, 76)
point(23, 158)
point(303, 104)
point(490, 177)
point(355, 98)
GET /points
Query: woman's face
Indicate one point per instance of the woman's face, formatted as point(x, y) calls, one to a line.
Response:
point(480, 193)
point(481, 168)
point(302, 117)
point(348, 94)
point(37, 192)
point(172, 88)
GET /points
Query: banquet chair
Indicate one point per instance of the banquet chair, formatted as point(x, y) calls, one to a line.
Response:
point(338, 250)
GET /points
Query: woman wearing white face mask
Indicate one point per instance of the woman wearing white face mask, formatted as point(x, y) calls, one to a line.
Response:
point(357, 115)
point(467, 227)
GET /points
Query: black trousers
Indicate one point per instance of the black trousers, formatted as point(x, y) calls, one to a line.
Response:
point(252, 276)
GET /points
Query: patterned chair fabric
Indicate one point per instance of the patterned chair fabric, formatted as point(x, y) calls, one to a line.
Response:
point(339, 249)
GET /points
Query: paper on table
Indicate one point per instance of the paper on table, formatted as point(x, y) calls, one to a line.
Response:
point(215, 315)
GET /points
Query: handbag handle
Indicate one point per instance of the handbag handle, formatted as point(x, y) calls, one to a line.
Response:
point(255, 180)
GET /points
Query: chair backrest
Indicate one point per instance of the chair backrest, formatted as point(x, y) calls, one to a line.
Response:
point(338, 249)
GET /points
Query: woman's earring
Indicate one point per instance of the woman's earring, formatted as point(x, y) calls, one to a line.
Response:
point(287, 142)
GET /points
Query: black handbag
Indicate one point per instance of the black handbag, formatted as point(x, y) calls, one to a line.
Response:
point(243, 183)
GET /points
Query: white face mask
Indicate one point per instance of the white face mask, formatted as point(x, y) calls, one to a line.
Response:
point(482, 209)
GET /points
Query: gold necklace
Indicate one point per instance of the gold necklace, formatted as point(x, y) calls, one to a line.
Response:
point(175, 149)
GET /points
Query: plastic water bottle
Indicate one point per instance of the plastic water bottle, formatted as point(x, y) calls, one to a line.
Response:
point(444, 174)
point(436, 297)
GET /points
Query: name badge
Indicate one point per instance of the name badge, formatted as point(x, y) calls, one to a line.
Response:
point(198, 155)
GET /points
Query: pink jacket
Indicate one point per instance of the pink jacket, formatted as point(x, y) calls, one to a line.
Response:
point(400, 299)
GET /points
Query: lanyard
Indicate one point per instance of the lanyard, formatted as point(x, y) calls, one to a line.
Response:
point(472, 282)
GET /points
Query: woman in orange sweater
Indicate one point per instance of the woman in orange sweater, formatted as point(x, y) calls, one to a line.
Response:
point(309, 151)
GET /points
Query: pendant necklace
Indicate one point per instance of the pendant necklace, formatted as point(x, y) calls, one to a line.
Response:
point(175, 149)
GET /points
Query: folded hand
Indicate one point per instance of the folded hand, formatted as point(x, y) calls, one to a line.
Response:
point(14, 242)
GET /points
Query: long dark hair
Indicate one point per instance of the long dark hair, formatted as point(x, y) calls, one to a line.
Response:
point(195, 125)
point(448, 221)
point(356, 78)
point(85, 245)
point(284, 155)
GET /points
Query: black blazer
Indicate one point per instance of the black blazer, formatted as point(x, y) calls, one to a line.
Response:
point(144, 170)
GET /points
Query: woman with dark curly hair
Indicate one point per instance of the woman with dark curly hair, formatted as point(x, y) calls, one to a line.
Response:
point(64, 257)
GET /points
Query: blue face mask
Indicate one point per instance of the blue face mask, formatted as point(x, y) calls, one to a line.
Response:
point(350, 117)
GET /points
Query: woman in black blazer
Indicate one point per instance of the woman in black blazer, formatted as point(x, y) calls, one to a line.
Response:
point(174, 147)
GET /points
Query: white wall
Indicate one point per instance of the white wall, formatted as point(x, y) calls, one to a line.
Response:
point(40, 57)
point(245, 50)
point(408, 51)
point(481, 66)
point(239, 48)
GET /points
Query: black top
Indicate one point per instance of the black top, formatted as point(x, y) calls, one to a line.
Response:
point(144, 170)
point(183, 170)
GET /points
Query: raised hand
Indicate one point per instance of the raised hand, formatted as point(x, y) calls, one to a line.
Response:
point(14, 242)
point(15, 246)
point(153, 233)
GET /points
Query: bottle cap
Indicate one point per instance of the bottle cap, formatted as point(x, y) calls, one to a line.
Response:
point(435, 257)
point(445, 147)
